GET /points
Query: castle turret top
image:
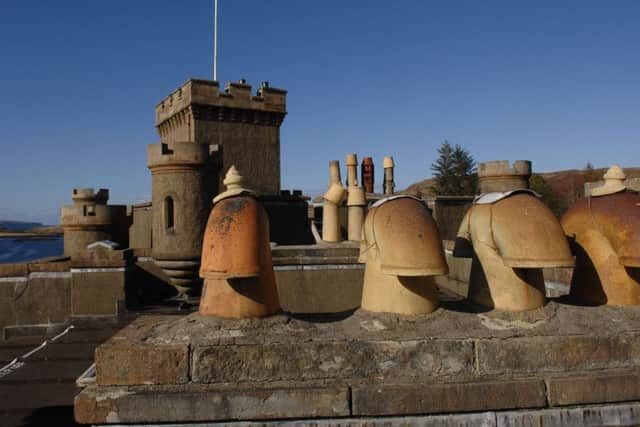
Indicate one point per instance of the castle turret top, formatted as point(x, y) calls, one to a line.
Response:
point(178, 155)
point(90, 209)
point(499, 175)
point(500, 168)
point(89, 195)
point(236, 95)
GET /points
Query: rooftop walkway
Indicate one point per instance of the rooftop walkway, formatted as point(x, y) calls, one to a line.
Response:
point(39, 389)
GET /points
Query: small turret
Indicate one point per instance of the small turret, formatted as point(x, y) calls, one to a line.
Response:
point(499, 175)
point(89, 219)
point(181, 198)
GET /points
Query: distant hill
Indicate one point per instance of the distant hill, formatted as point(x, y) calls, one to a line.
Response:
point(422, 188)
point(566, 185)
point(47, 229)
point(572, 181)
point(18, 225)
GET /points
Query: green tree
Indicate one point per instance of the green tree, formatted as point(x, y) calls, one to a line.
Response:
point(542, 187)
point(454, 171)
point(590, 175)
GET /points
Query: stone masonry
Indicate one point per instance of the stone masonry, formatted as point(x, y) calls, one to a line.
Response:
point(246, 127)
point(501, 176)
point(90, 219)
point(458, 359)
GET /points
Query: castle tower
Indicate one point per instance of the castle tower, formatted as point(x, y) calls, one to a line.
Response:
point(183, 185)
point(245, 127)
point(89, 219)
point(500, 176)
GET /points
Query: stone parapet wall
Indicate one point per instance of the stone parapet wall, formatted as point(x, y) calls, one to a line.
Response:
point(38, 298)
point(51, 291)
point(622, 414)
point(323, 278)
point(458, 359)
point(140, 230)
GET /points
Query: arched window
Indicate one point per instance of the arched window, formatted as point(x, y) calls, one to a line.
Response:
point(168, 212)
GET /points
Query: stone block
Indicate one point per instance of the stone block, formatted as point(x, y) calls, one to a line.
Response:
point(459, 268)
point(140, 230)
point(190, 404)
point(594, 388)
point(7, 303)
point(557, 353)
point(332, 360)
point(485, 419)
point(14, 270)
point(450, 288)
point(44, 298)
point(56, 265)
point(320, 288)
point(589, 416)
point(326, 253)
point(377, 400)
point(97, 291)
point(31, 302)
point(142, 364)
point(59, 299)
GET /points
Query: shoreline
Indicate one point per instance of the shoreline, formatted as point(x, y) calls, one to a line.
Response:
point(28, 235)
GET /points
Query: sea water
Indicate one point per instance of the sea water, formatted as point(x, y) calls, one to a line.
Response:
point(14, 249)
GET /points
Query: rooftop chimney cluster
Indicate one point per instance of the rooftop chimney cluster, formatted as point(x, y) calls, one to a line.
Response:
point(355, 196)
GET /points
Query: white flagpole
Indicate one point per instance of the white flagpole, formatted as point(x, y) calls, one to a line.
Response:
point(215, 40)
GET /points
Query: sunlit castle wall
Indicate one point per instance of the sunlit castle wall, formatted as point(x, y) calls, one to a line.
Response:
point(245, 127)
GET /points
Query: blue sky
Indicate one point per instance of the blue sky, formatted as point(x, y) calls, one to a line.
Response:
point(553, 82)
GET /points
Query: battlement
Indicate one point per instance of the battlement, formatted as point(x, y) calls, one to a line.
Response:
point(236, 96)
point(89, 195)
point(500, 168)
point(499, 175)
point(179, 154)
point(92, 215)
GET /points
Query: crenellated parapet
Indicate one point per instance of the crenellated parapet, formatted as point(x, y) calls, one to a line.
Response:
point(245, 127)
point(500, 175)
point(90, 209)
point(202, 100)
point(89, 196)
